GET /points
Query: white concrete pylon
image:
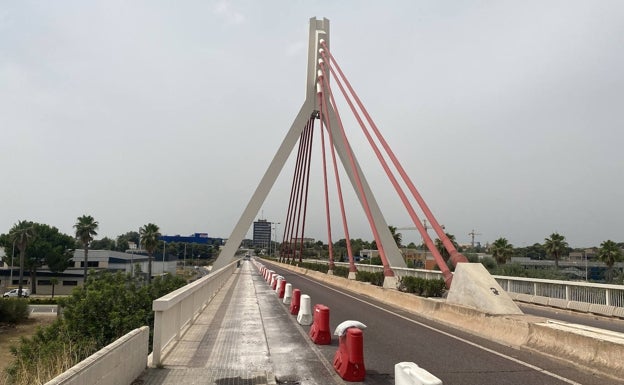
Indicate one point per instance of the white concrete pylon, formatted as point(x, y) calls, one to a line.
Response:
point(319, 30)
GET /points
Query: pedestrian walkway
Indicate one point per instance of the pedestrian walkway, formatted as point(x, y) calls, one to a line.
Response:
point(245, 336)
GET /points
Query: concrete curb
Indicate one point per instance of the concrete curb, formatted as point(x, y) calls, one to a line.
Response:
point(581, 346)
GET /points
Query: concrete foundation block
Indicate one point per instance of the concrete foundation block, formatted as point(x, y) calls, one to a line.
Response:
point(474, 287)
point(390, 282)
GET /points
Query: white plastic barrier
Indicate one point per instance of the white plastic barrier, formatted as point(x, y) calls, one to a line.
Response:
point(279, 282)
point(408, 373)
point(288, 294)
point(305, 311)
point(341, 329)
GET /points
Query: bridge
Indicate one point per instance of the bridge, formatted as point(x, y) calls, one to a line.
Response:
point(230, 327)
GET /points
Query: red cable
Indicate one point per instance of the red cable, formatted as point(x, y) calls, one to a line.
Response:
point(439, 259)
point(304, 139)
point(456, 257)
point(338, 184)
point(328, 217)
point(307, 184)
point(387, 270)
point(288, 224)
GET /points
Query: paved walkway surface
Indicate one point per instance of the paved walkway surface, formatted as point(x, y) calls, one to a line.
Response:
point(245, 336)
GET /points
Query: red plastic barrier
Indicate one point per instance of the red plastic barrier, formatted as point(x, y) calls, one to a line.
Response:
point(274, 285)
point(295, 302)
point(349, 358)
point(319, 332)
point(282, 289)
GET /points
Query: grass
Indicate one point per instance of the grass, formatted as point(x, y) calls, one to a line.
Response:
point(10, 334)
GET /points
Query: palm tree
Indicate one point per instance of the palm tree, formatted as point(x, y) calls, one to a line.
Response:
point(440, 246)
point(398, 237)
point(53, 281)
point(85, 230)
point(22, 234)
point(555, 246)
point(609, 253)
point(501, 250)
point(149, 239)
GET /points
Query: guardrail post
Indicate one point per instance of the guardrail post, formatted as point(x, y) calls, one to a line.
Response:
point(567, 293)
point(535, 288)
point(608, 297)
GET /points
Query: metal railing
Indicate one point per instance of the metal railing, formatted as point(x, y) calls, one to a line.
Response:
point(534, 290)
point(177, 310)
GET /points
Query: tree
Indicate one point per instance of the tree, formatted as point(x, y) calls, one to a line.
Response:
point(103, 244)
point(555, 246)
point(398, 237)
point(48, 247)
point(609, 253)
point(124, 239)
point(440, 246)
point(501, 250)
point(53, 281)
point(149, 240)
point(22, 233)
point(86, 229)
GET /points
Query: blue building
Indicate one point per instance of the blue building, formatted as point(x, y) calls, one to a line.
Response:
point(201, 238)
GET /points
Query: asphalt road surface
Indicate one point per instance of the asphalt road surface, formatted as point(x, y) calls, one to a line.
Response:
point(394, 335)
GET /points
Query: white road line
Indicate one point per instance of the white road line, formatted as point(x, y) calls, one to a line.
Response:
point(533, 367)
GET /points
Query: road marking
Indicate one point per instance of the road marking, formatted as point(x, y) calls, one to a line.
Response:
point(523, 363)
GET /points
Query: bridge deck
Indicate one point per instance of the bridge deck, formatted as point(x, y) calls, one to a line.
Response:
point(243, 337)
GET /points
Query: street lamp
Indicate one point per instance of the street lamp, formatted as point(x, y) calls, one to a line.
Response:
point(12, 255)
point(163, 261)
point(275, 239)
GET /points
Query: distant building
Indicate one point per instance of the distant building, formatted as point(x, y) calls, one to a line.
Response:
point(262, 233)
point(135, 263)
point(201, 238)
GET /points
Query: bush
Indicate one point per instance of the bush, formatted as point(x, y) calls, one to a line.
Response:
point(43, 301)
point(323, 268)
point(13, 310)
point(422, 287)
point(111, 305)
point(341, 271)
point(376, 278)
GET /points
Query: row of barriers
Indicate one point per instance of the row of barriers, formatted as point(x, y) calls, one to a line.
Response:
point(348, 360)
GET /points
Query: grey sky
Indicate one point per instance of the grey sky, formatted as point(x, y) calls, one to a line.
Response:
point(507, 115)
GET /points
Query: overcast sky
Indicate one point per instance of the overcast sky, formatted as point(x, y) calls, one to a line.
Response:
point(507, 115)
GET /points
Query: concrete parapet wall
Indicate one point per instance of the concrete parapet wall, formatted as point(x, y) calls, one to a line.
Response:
point(121, 362)
point(595, 351)
point(605, 310)
point(558, 303)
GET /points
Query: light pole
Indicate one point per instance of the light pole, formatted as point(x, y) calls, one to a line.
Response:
point(163, 261)
point(12, 255)
point(275, 239)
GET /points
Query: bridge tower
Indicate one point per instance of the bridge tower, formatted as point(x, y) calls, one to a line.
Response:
point(319, 30)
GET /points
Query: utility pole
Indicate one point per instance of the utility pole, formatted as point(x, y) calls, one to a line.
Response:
point(472, 234)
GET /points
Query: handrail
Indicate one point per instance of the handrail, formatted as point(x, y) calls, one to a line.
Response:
point(605, 299)
point(174, 312)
